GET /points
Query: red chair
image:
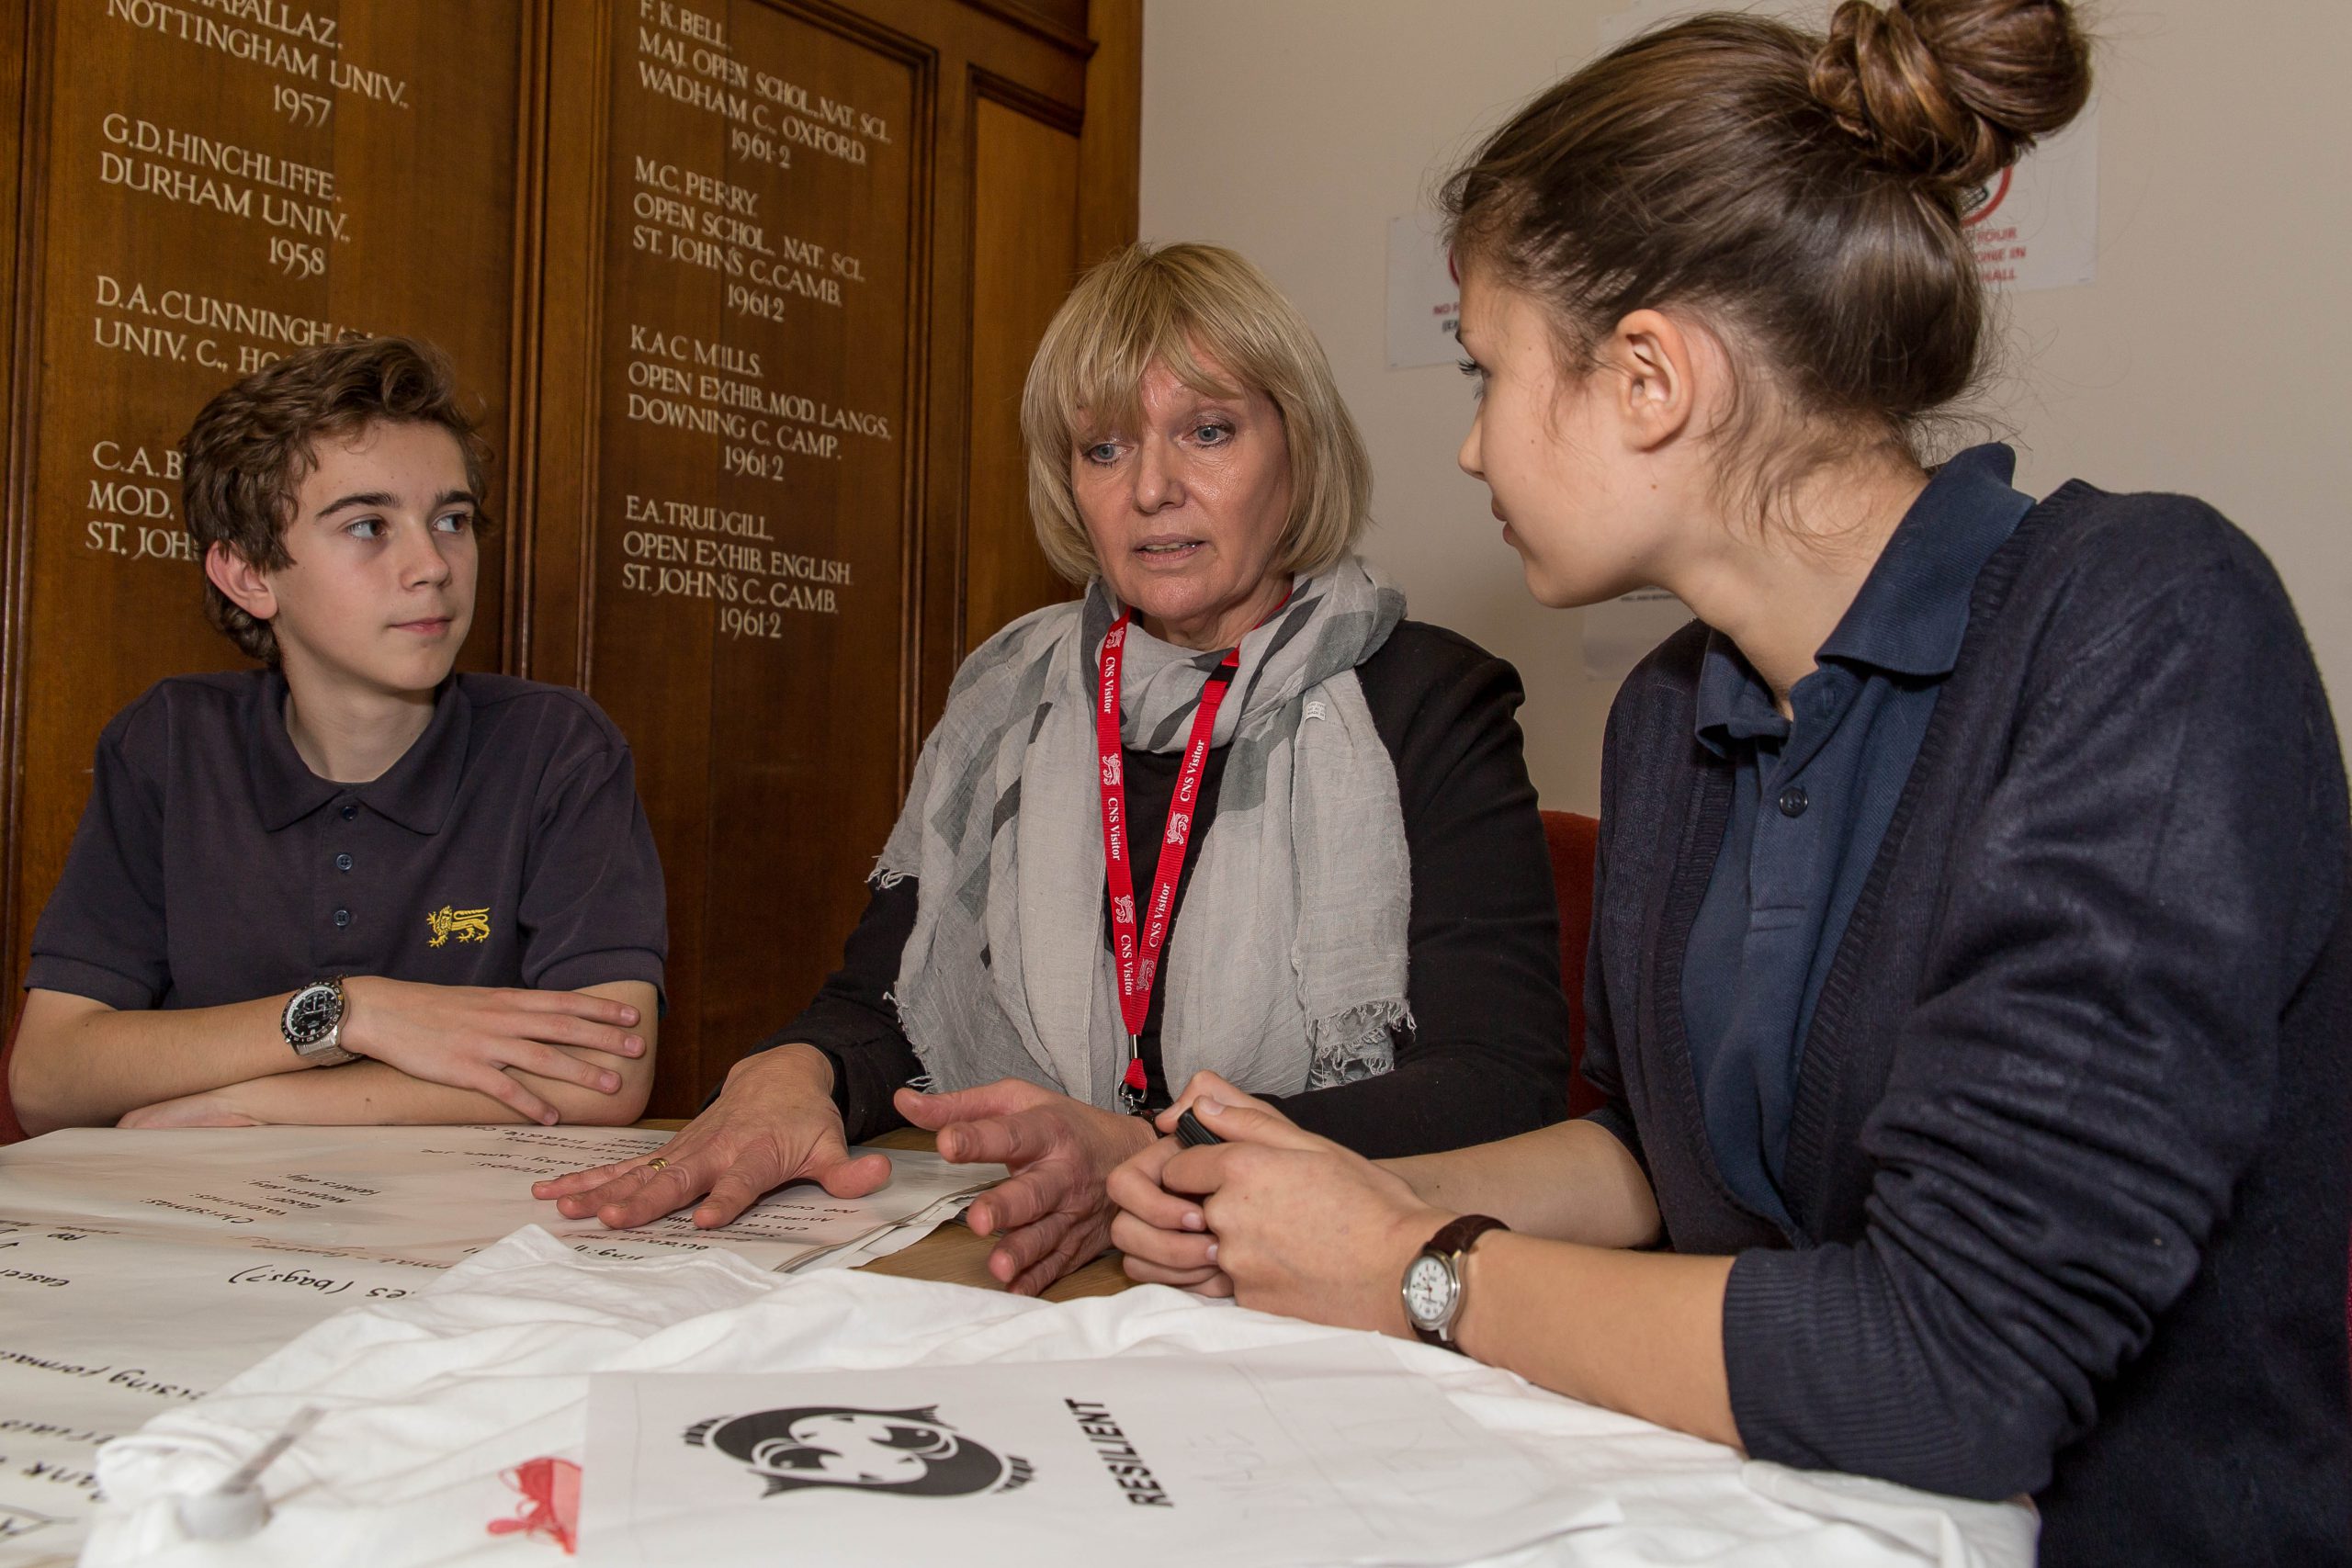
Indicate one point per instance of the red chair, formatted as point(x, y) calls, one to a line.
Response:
point(1573, 840)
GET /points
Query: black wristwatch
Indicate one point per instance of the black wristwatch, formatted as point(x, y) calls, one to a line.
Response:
point(1432, 1284)
point(313, 1024)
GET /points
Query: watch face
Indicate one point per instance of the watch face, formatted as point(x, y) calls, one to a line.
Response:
point(312, 1014)
point(1428, 1291)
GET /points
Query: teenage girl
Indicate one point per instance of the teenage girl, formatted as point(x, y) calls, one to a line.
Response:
point(1971, 981)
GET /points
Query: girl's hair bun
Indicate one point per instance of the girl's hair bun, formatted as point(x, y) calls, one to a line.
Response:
point(1951, 92)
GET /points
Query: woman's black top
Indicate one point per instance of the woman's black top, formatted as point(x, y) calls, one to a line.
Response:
point(1488, 1055)
point(2067, 1173)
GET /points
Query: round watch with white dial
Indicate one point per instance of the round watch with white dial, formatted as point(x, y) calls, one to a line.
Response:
point(1433, 1285)
point(313, 1024)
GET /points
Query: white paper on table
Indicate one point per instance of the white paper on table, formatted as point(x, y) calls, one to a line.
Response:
point(895, 1239)
point(1323, 1452)
point(101, 1330)
point(428, 1195)
point(141, 1269)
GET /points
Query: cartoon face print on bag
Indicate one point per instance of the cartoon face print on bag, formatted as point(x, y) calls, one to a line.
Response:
point(912, 1452)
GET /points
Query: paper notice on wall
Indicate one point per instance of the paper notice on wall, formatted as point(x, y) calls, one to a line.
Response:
point(1424, 296)
point(2034, 225)
point(1643, 14)
point(1318, 1452)
point(1618, 632)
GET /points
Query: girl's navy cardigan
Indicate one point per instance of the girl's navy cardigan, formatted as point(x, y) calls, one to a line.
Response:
point(2068, 1158)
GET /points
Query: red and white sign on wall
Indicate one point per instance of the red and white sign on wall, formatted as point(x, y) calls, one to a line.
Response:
point(2036, 225)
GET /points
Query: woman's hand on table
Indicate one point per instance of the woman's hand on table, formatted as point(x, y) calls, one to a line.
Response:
point(775, 1122)
point(1052, 1213)
point(1281, 1220)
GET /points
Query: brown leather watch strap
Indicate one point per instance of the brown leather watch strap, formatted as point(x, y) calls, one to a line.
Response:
point(1456, 1236)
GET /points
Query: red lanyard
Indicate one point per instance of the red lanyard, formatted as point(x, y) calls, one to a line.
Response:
point(1138, 952)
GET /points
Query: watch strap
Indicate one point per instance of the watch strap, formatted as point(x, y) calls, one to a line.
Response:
point(1456, 1237)
point(330, 1051)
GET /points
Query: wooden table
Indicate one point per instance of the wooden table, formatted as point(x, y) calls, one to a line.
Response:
point(952, 1254)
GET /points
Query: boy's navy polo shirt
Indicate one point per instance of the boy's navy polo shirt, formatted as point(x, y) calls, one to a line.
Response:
point(1811, 802)
point(505, 848)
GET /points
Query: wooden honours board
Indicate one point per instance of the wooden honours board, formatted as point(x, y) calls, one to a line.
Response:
point(756, 479)
point(741, 290)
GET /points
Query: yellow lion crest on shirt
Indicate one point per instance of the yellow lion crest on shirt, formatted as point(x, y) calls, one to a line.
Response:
point(466, 925)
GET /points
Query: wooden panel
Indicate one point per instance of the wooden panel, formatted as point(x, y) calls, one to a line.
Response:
point(215, 189)
point(772, 766)
point(1110, 156)
point(1061, 22)
point(24, 33)
point(567, 219)
point(757, 483)
point(1025, 255)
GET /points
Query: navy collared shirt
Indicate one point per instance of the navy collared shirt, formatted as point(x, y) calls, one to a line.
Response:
point(1811, 801)
point(506, 847)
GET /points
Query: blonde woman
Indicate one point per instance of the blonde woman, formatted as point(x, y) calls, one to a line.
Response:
point(1306, 856)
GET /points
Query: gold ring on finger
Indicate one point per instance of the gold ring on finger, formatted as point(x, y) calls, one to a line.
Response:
point(656, 1162)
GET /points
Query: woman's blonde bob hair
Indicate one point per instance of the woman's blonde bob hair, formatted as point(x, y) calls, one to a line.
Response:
point(1182, 306)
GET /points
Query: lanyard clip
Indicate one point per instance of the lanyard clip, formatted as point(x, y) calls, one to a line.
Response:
point(1131, 1083)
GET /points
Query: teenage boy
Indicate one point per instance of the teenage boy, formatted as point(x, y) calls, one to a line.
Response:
point(348, 887)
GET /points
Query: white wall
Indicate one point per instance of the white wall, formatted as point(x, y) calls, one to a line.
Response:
point(2212, 356)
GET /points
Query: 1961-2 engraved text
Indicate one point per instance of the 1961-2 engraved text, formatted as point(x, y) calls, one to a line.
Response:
point(728, 230)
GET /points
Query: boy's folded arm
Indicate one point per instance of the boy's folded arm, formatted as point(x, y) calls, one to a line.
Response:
point(79, 1063)
point(98, 1065)
point(376, 1093)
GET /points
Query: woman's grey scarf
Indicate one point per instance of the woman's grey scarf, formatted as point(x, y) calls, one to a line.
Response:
point(1286, 967)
